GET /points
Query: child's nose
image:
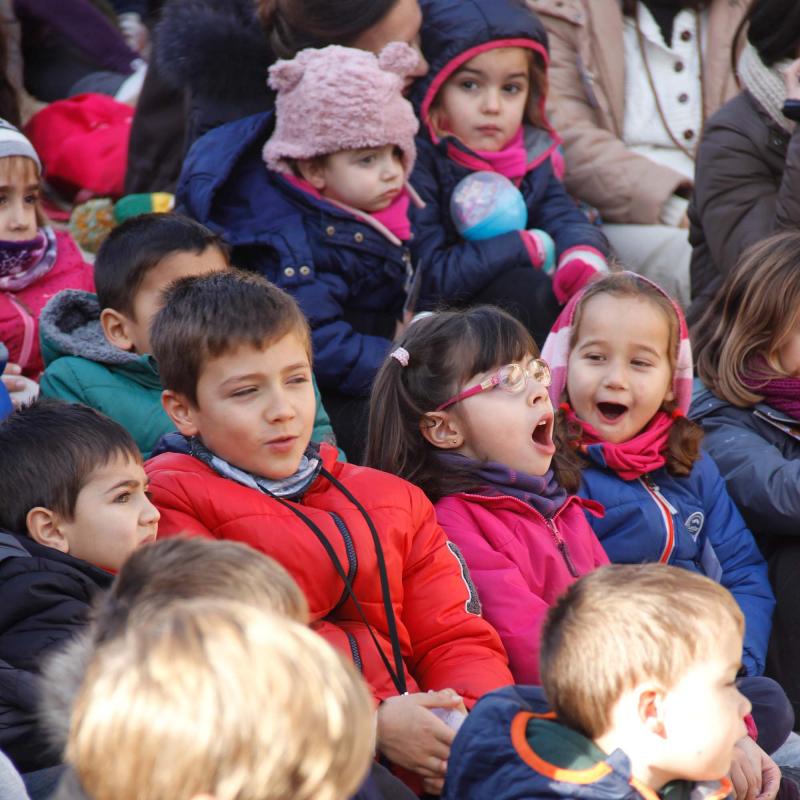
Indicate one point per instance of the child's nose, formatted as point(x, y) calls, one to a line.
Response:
point(151, 514)
point(278, 408)
point(491, 100)
point(537, 393)
point(615, 375)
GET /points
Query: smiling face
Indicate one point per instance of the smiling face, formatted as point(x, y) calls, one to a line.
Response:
point(255, 407)
point(619, 371)
point(483, 102)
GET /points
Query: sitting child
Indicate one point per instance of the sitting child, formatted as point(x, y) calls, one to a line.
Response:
point(639, 697)
point(461, 410)
point(482, 108)
point(35, 261)
point(214, 698)
point(74, 506)
point(327, 219)
point(622, 374)
point(97, 348)
point(382, 583)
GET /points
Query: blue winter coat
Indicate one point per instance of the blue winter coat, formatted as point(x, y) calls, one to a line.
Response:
point(341, 270)
point(511, 748)
point(692, 523)
point(452, 267)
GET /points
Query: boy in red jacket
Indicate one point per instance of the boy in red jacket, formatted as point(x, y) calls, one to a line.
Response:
point(382, 581)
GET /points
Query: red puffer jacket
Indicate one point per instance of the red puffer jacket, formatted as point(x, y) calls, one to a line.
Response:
point(443, 640)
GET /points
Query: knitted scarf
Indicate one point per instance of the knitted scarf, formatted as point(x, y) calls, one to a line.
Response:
point(289, 488)
point(765, 84)
point(511, 161)
point(23, 263)
point(782, 394)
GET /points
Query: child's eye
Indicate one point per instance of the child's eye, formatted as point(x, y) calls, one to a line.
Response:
point(640, 362)
point(243, 392)
point(593, 357)
point(366, 160)
point(298, 379)
point(512, 88)
point(124, 497)
point(31, 199)
point(468, 84)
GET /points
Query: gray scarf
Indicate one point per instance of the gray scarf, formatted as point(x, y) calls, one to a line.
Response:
point(765, 84)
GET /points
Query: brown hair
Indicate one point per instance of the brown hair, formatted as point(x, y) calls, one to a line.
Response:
point(207, 316)
point(752, 314)
point(446, 350)
point(622, 624)
point(683, 446)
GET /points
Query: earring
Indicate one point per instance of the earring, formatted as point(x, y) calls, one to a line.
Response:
point(454, 441)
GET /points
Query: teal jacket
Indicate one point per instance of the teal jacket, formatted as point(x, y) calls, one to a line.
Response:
point(83, 367)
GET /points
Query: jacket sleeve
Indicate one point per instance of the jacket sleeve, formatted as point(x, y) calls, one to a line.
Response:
point(763, 483)
point(452, 267)
point(624, 186)
point(60, 381)
point(735, 554)
point(735, 199)
point(515, 611)
point(453, 646)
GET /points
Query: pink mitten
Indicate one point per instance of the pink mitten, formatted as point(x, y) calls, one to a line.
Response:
point(575, 269)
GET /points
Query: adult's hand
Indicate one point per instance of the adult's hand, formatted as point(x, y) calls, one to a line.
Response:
point(21, 389)
point(755, 776)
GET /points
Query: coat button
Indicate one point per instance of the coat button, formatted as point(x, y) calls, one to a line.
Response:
point(683, 98)
point(289, 272)
point(688, 134)
point(359, 237)
point(686, 36)
point(679, 66)
point(304, 270)
point(330, 230)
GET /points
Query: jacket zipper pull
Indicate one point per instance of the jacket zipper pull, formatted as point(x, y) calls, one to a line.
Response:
point(657, 493)
point(563, 548)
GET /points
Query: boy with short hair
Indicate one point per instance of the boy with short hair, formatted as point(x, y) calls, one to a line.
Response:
point(272, 712)
point(364, 546)
point(74, 506)
point(638, 666)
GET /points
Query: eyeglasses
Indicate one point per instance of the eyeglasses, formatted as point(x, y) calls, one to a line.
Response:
point(512, 378)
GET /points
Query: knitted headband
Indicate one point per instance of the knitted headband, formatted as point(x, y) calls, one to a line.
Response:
point(14, 143)
point(340, 98)
point(557, 348)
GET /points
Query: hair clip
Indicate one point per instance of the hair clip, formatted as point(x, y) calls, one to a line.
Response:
point(401, 355)
point(677, 413)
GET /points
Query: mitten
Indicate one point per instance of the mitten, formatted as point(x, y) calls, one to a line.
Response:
point(576, 267)
point(541, 249)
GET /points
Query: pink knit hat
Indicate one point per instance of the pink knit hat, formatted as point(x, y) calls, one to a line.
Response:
point(338, 98)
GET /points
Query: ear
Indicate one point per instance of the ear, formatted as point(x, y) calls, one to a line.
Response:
point(313, 171)
point(670, 395)
point(116, 329)
point(650, 708)
point(43, 528)
point(180, 411)
point(441, 430)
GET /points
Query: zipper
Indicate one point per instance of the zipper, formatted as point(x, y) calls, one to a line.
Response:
point(352, 558)
point(354, 651)
point(667, 510)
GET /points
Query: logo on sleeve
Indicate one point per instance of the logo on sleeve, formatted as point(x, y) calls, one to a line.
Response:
point(694, 523)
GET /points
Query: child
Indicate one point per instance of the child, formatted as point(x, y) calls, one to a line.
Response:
point(622, 370)
point(747, 360)
point(213, 698)
point(482, 108)
point(235, 360)
point(638, 669)
point(461, 410)
point(74, 507)
point(97, 348)
point(327, 219)
point(35, 261)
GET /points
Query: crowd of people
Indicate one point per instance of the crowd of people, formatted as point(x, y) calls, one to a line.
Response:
point(419, 413)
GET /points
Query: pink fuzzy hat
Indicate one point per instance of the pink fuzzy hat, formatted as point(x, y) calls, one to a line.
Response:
point(338, 98)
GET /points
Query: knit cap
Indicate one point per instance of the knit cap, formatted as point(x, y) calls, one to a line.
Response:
point(339, 98)
point(14, 143)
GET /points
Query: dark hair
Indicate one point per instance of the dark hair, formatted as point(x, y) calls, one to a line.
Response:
point(293, 25)
point(773, 28)
point(207, 315)
point(445, 351)
point(48, 451)
point(9, 101)
point(140, 244)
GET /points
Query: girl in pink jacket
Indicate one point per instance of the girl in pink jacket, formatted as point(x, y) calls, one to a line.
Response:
point(461, 409)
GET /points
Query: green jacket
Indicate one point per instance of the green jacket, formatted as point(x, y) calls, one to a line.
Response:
point(83, 367)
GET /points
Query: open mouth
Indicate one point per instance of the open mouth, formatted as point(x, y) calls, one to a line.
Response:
point(543, 432)
point(611, 411)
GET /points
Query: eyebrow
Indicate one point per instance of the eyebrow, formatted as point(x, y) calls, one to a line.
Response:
point(482, 74)
point(128, 483)
point(31, 187)
point(603, 342)
point(298, 365)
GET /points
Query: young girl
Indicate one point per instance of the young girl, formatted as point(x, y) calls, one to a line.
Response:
point(322, 208)
point(748, 357)
point(461, 409)
point(482, 108)
point(35, 261)
point(622, 371)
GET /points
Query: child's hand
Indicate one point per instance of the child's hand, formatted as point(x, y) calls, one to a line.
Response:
point(21, 389)
point(410, 736)
point(791, 77)
point(755, 776)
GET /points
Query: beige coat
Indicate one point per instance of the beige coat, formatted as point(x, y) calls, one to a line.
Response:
point(587, 103)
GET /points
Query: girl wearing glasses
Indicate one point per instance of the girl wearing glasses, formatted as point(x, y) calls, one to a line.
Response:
point(461, 409)
point(622, 374)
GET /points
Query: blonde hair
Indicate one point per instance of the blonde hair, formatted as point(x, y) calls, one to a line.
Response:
point(622, 624)
point(24, 170)
point(221, 698)
point(753, 313)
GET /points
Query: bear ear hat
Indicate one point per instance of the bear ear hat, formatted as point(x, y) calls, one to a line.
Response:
point(398, 57)
point(285, 74)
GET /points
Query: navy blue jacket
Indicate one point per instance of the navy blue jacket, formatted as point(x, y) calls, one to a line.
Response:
point(46, 595)
point(451, 267)
point(692, 523)
point(343, 272)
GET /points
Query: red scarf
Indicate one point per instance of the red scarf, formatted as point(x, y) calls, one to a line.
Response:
point(511, 161)
point(634, 458)
point(395, 216)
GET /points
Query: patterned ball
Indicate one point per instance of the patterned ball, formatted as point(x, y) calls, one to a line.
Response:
point(487, 204)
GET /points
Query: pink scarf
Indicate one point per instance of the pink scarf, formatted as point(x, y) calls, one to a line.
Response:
point(782, 394)
point(23, 263)
point(511, 161)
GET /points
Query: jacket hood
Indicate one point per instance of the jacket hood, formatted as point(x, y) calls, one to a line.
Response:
point(454, 31)
point(70, 326)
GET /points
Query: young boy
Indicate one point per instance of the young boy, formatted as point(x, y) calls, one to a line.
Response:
point(235, 359)
point(74, 506)
point(218, 699)
point(97, 347)
point(638, 665)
